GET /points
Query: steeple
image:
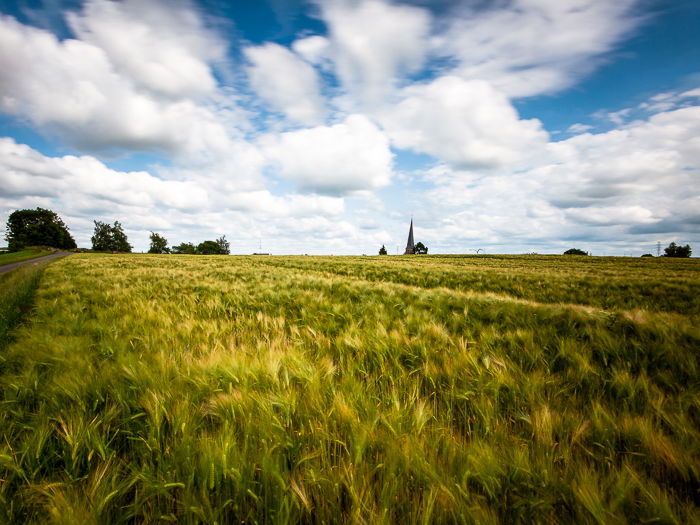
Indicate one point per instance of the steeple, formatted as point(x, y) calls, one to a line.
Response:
point(410, 248)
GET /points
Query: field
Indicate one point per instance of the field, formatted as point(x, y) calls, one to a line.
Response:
point(193, 389)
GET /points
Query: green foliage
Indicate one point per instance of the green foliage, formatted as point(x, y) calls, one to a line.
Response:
point(159, 244)
point(208, 248)
point(218, 247)
point(647, 255)
point(39, 227)
point(677, 251)
point(354, 390)
point(382, 250)
point(186, 248)
point(224, 245)
point(575, 251)
point(420, 249)
point(108, 238)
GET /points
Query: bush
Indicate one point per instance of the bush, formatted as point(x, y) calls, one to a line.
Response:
point(575, 251)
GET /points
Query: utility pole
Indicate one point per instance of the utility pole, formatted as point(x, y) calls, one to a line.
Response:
point(658, 248)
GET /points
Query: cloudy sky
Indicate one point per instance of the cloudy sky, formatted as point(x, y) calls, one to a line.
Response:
point(323, 126)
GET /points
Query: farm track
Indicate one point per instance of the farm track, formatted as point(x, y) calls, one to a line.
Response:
point(12, 266)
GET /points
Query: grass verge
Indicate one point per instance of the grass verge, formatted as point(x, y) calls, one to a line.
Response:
point(24, 255)
point(16, 292)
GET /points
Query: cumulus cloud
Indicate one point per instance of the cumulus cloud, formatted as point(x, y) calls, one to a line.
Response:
point(464, 123)
point(82, 188)
point(531, 47)
point(350, 156)
point(161, 46)
point(611, 187)
point(374, 43)
point(24, 171)
point(95, 105)
point(314, 49)
point(296, 205)
point(286, 82)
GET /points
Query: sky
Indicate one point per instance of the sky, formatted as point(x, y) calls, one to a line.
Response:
point(325, 126)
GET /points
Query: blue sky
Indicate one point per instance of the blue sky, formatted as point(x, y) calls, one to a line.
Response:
point(322, 127)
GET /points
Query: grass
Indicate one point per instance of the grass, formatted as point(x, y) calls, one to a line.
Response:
point(17, 289)
point(369, 390)
point(23, 255)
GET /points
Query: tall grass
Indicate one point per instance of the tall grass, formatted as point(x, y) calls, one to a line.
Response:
point(326, 390)
point(17, 289)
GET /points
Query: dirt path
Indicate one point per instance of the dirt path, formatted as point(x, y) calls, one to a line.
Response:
point(12, 266)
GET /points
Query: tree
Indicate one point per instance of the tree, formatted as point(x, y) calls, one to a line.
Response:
point(382, 250)
point(420, 249)
point(575, 251)
point(38, 227)
point(185, 248)
point(159, 244)
point(208, 248)
point(647, 255)
point(224, 245)
point(110, 238)
point(677, 251)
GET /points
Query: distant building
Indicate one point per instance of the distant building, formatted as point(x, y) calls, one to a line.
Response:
point(410, 247)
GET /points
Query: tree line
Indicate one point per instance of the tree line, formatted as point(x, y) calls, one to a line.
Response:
point(220, 246)
point(42, 227)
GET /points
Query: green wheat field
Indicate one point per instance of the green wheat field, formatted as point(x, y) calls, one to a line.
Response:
point(418, 389)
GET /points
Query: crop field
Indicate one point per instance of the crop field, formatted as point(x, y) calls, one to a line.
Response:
point(424, 389)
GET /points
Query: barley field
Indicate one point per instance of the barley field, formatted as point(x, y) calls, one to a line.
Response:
point(424, 389)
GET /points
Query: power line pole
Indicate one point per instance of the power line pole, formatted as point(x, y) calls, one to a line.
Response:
point(658, 248)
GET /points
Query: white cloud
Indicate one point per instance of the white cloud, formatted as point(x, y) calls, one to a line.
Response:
point(465, 123)
point(579, 128)
point(286, 82)
point(374, 43)
point(346, 157)
point(161, 46)
point(314, 49)
point(613, 187)
point(82, 188)
point(97, 106)
point(24, 171)
point(530, 47)
point(294, 205)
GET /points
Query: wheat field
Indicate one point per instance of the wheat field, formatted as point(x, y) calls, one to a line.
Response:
point(425, 389)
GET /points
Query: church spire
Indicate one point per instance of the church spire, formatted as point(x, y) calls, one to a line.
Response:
point(410, 248)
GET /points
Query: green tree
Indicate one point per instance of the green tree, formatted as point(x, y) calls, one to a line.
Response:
point(224, 245)
point(38, 227)
point(673, 250)
point(185, 248)
point(159, 244)
point(575, 251)
point(109, 238)
point(420, 248)
point(382, 250)
point(208, 248)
